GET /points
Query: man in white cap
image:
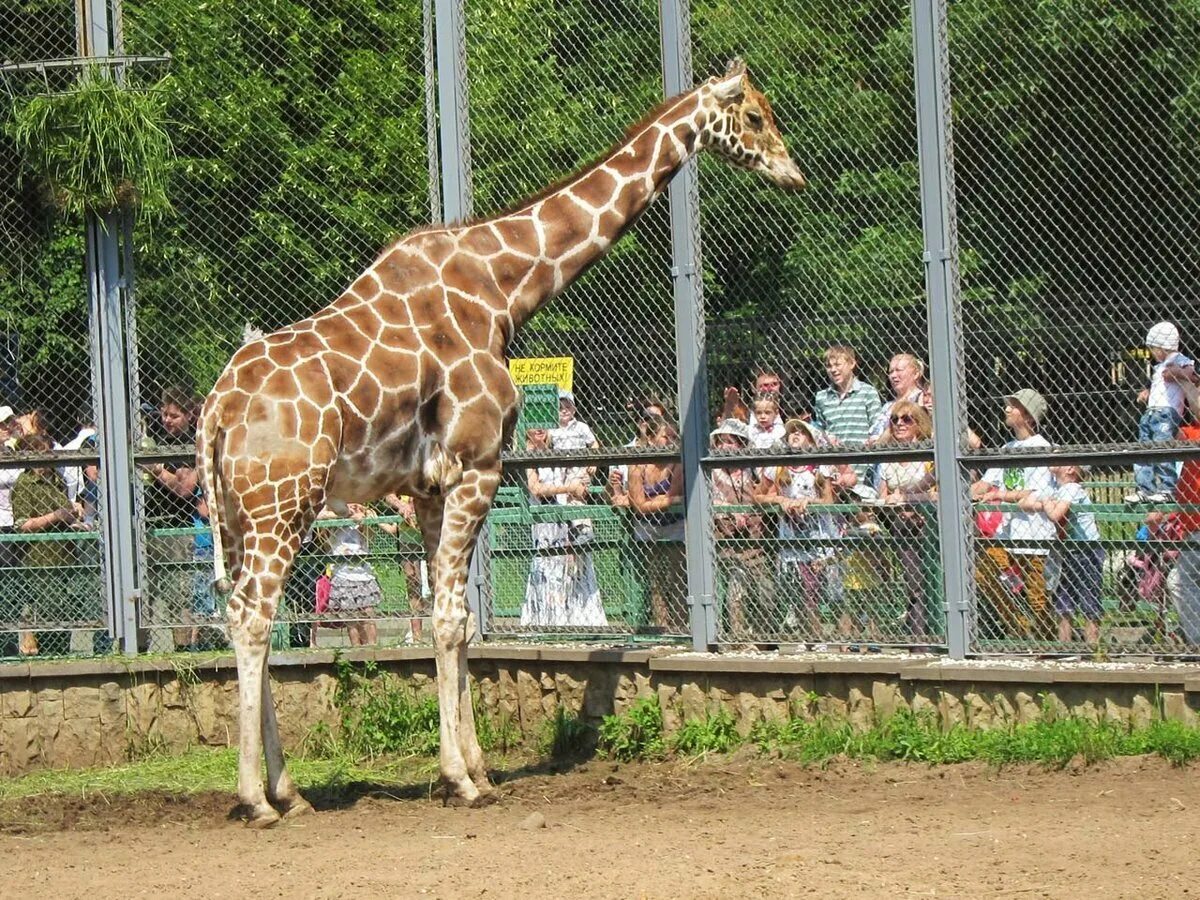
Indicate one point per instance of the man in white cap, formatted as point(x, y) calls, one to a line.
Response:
point(1164, 401)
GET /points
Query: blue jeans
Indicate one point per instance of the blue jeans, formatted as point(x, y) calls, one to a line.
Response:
point(1157, 424)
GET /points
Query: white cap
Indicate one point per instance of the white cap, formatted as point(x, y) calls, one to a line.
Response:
point(566, 397)
point(6, 413)
point(1163, 335)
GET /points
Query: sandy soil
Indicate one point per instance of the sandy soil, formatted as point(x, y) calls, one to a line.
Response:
point(727, 828)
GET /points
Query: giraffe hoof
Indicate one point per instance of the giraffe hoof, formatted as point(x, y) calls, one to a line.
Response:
point(261, 816)
point(485, 798)
point(298, 806)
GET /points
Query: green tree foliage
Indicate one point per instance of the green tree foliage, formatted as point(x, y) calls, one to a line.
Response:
point(300, 136)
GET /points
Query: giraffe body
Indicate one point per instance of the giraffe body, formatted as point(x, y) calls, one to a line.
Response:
point(401, 385)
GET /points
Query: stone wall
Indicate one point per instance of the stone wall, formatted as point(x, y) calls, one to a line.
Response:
point(92, 713)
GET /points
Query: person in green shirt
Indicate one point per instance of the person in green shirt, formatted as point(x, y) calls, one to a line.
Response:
point(39, 503)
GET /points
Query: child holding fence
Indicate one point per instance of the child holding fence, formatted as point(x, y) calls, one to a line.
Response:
point(809, 570)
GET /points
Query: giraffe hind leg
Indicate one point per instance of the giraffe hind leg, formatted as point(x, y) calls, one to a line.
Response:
point(251, 611)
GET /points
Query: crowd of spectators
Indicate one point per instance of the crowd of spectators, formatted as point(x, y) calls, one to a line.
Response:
point(798, 546)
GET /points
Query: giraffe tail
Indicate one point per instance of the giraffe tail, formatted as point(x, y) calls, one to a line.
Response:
point(208, 461)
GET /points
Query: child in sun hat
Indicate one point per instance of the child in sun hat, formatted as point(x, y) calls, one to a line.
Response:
point(1165, 401)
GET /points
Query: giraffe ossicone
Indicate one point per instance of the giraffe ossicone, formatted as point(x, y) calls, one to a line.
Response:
point(401, 385)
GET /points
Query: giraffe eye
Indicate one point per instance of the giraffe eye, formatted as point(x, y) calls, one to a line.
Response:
point(754, 118)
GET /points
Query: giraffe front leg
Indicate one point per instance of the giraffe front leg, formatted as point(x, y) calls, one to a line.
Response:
point(464, 511)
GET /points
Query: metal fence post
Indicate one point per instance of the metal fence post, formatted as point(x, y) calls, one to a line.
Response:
point(683, 197)
point(108, 292)
point(937, 215)
point(454, 129)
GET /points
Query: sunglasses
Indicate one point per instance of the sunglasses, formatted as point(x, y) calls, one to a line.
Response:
point(903, 419)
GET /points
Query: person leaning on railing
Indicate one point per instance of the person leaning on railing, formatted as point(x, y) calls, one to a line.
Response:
point(654, 488)
point(10, 550)
point(40, 505)
point(1187, 522)
point(743, 565)
point(905, 487)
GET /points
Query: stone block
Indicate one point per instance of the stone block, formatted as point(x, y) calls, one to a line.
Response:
point(569, 692)
point(1115, 713)
point(547, 681)
point(112, 703)
point(924, 705)
point(20, 745)
point(745, 712)
point(81, 702)
point(887, 699)
point(643, 686)
point(1003, 711)
point(1028, 709)
point(16, 703)
point(529, 700)
point(77, 743)
point(860, 710)
point(800, 703)
point(668, 702)
point(1087, 711)
point(979, 712)
point(950, 710)
point(1175, 708)
point(693, 703)
point(832, 708)
point(598, 695)
point(1142, 712)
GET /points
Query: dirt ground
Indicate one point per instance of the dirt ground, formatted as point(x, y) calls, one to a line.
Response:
point(725, 828)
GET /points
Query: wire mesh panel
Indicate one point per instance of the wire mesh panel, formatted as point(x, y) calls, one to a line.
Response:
point(299, 134)
point(1064, 565)
point(568, 556)
point(583, 73)
point(49, 553)
point(554, 86)
point(815, 312)
point(1075, 153)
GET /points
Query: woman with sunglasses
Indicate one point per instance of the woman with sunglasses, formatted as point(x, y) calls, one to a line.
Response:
point(904, 487)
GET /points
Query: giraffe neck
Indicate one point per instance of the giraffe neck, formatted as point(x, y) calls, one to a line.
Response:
point(551, 241)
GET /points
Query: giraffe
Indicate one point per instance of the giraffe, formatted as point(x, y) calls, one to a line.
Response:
point(401, 386)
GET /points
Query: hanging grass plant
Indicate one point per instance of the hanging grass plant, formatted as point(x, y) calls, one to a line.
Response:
point(97, 148)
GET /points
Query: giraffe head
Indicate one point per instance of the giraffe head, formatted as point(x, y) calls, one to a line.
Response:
point(740, 127)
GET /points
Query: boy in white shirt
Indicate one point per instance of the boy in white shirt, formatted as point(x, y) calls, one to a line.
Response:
point(1164, 401)
point(1008, 571)
point(1082, 556)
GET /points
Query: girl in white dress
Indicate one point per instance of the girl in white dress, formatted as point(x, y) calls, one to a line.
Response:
point(562, 590)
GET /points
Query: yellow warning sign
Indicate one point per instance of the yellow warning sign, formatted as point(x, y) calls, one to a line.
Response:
point(556, 370)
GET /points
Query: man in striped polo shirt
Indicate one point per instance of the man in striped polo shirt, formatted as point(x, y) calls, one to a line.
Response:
point(846, 410)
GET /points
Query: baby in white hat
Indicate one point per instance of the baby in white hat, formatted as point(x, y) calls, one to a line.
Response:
point(1165, 401)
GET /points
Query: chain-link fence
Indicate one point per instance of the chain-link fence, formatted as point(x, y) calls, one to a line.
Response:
point(305, 137)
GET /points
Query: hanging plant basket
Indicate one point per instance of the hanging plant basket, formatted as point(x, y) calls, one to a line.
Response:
point(98, 147)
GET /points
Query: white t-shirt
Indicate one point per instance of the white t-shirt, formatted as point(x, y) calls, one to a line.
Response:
point(763, 439)
point(1018, 526)
point(574, 436)
point(1081, 524)
point(907, 477)
point(1167, 394)
point(801, 484)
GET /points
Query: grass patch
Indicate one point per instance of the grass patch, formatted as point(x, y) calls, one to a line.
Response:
point(636, 733)
point(201, 769)
point(565, 735)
